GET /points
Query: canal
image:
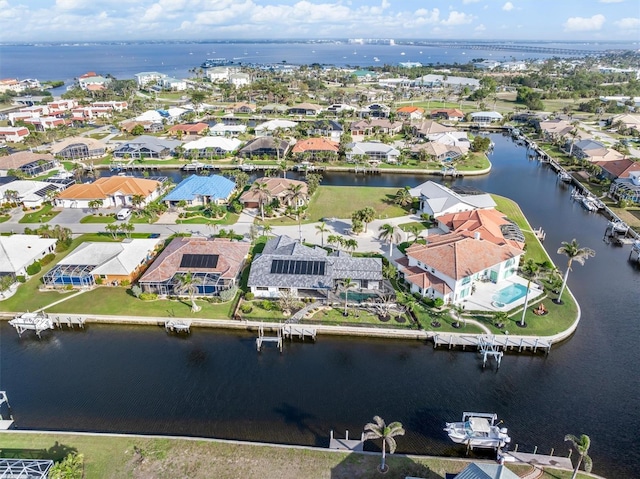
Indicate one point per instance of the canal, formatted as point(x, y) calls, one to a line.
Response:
point(213, 383)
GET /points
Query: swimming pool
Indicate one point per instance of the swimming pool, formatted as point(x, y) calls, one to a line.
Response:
point(511, 293)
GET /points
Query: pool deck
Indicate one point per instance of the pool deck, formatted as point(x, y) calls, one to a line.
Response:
point(482, 298)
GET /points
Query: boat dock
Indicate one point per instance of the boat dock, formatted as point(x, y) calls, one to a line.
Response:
point(491, 342)
point(277, 340)
point(301, 332)
point(346, 444)
point(538, 460)
point(177, 325)
point(37, 322)
point(5, 423)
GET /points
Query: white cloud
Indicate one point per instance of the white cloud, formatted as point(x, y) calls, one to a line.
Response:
point(467, 2)
point(629, 23)
point(480, 28)
point(611, 1)
point(507, 7)
point(457, 18)
point(583, 24)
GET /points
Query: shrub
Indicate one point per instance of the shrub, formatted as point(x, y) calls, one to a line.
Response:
point(99, 281)
point(148, 296)
point(34, 268)
point(21, 279)
point(236, 207)
point(249, 296)
point(136, 291)
point(266, 305)
point(438, 302)
point(417, 296)
point(125, 282)
point(228, 294)
point(47, 259)
point(246, 308)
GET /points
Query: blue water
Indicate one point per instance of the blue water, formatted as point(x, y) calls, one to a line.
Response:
point(510, 294)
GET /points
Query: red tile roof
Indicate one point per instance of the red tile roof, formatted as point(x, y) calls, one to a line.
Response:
point(315, 144)
point(484, 222)
point(106, 186)
point(423, 279)
point(410, 109)
point(277, 187)
point(195, 128)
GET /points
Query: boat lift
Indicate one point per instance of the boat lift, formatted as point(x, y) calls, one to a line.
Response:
point(5, 423)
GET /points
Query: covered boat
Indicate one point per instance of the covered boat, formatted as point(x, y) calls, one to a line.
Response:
point(478, 430)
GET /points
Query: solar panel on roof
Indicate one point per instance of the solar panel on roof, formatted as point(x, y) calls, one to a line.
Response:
point(298, 267)
point(42, 192)
point(198, 261)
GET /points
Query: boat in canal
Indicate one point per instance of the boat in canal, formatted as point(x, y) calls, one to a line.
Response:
point(564, 176)
point(478, 430)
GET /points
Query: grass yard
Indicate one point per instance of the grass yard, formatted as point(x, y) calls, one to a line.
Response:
point(4, 218)
point(426, 316)
point(97, 219)
point(342, 201)
point(107, 457)
point(229, 219)
point(43, 215)
point(357, 317)
point(119, 301)
point(406, 227)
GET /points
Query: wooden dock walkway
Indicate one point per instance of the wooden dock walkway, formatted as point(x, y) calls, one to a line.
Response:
point(504, 343)
point(261, 339)
point(299, 331)
point(538, 460)
point(347, 444)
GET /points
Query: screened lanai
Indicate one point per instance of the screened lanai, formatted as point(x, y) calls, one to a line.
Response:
point(78, 276)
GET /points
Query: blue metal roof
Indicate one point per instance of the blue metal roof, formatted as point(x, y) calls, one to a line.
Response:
point(215, 187)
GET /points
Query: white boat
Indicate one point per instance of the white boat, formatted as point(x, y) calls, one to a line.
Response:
point(589, 203)
point(619, 226)
point(376, 59)
point(564, 176)
point(37, 322)
point(478, 430)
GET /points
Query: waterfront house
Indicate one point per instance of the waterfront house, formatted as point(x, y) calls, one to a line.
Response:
point(265, 146)
point(239, 79)
point(486, 65)
point(94, 263)
point(276, 188)
point(316, 149)
point(438, 151)
point(10, 84)
point(113, 191)
point(214, 263)
point(79, 148)
point(375, 110)
point(146, 146)
point(451, 138)
point(485, 117)
point(173, 84)
point(27, 162)
point(446, 81)
point(242, 107)
point(489, 223)
point(218, 73)
point(29, 193)
point(485, 471)
point(426, 128)
point(211, 146)
point(189, 129)
point(627, 120)
point(274, 109)
point(13, 134)
point(304, 109)
point(147, 79)
point(627, 188)
point(288, 266)
point(618, 168)
point(371, 151)
point(437, 200)
point(19, 251)
point(371, 126)
point(221, 129)
point(44, 123)
point(448, 264)
point(149, 126)
point(91, 81)
point(114, 105)
point(201, 190)
point(330, 129)
point(555, 129)
point(268, 128)
point(449, 114)
point(338, 108)
point(410, 113)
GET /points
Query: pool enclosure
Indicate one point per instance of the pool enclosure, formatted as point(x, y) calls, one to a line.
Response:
point(77, 276)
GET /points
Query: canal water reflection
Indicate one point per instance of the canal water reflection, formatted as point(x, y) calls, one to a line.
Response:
point(213, 383)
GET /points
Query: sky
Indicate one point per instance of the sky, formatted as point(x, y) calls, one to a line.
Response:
point(103, 20)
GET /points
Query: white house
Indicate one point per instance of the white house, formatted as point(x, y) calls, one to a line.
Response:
point(19, 251)
point(448, 265)
point(485, 117)
point(437, 200)
point(268, 127)
point(239, 79)
point(372, 150)
point(173, 84)
point(13, 134)
point(210, 146)
point(29, 192)
point(149, 78)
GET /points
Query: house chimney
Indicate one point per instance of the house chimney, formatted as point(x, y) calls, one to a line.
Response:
point(476, 235)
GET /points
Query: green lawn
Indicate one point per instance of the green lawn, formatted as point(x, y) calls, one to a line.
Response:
point(43, 215)
point(407, 226)
point(119, 301)
point(342, 201)
point(4, 218)
point(229, 219)
point(358, 317)
point(117, 457)
point(426, 316)
point(92, 219)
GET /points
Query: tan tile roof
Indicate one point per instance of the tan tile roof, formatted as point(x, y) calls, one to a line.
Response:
point(91, 143)
point(423, 279)
point(486, 222)
point(16, 160)
point(196, 128)
point(459, 256)
point(231, 255)
point(315, 144)
point(106, 186)
point(619, 168)
point(450, 112)
point(278, 188)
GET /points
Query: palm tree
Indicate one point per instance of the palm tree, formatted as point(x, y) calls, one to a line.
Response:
point(345, 285)
point(415, 230)
point(137, 201)
point(456, 313)
point(368, 214)
point(531, 271)
point(321, 229)
point(333, 240)
point(264, 195)
point(379, 430)
point(581, 445)
point(389, 233)
point(573, 252)
point(267, 229)
point(187, 283)
point(351, 244)
point(403, 197)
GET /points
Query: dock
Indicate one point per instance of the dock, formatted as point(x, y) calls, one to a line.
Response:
point(37, 322)
point(500, 343)
point(299, 331)
point(69, 321)
point(540, 460)
point(177, 325)
point(5, 423)
point(261, 339)
point(347, 444)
